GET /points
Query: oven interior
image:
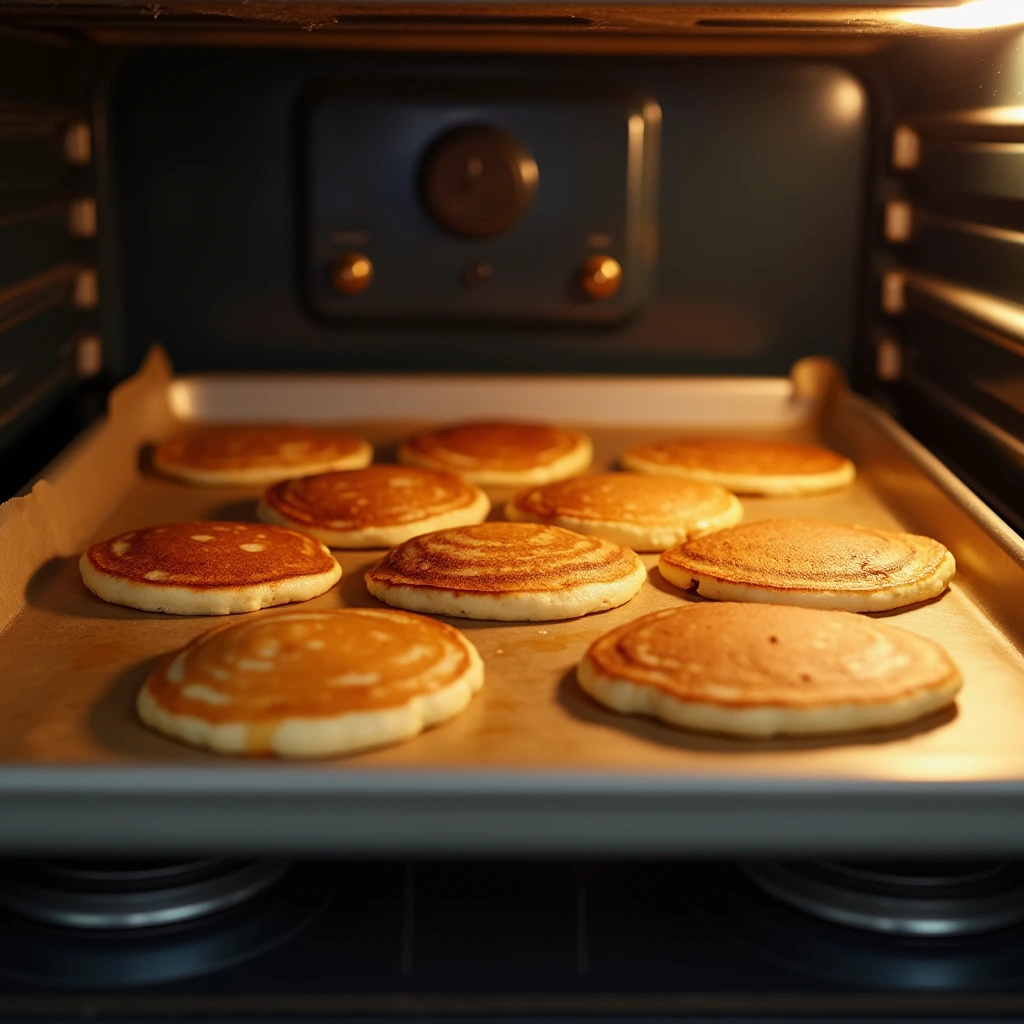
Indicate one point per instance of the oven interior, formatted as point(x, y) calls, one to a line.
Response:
point(771, 182)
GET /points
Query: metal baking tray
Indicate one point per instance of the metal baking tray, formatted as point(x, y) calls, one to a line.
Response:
point(533, 766)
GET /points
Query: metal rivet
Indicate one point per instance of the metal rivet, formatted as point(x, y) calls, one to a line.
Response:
point(889, 360)
point(351, 273)
point(78, 144)
point(906, 148)
point(82, 219)
point(601, 277)
point(894, 299)
point(86, 289)
point(899, 221)
point(89, 355)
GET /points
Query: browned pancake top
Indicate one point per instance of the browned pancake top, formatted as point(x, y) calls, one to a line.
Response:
point(207, 556)
point(726, 455)
point(804, 554)
point(495, 446)
point(264, 446)
point(308, 664)
point(502, 558)
point(743, 655)
point(626, 498)
point(355, 499)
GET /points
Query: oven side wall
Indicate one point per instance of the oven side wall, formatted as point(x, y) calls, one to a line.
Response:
point(49, 293)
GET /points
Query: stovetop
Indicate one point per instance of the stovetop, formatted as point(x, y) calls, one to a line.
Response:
point(481, 939)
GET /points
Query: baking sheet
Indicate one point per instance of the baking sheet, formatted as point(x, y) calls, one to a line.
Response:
point(70, 664)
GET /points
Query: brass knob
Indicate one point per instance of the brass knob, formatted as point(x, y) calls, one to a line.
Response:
point(601, 277)
point(351, 273)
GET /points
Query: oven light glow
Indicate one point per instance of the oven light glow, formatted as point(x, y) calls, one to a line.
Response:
point(976, 14)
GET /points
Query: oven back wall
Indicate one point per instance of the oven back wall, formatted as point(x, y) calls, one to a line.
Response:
point(730, 191)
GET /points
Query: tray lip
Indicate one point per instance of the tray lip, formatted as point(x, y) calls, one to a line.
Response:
point(329, 781)
point(802, 407)
point(735, 818)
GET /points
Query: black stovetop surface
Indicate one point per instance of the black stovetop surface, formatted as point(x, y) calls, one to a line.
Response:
point(524, 940)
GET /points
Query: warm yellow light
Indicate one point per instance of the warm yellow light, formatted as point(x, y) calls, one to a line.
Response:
point(974, 14)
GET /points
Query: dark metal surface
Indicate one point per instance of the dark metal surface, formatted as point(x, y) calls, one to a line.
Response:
point(992, 169)
point(972, 254)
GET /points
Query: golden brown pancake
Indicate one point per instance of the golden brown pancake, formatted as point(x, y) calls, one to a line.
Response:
point(312, 683)
point(208, 568)
point(811, 563)
point(777, 468)
point(374, 507)
point(758, 671)
point(507, 571)
point(645, 513)
point(258, 454)
point(501, 454)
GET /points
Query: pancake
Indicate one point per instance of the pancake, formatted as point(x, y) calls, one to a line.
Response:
point(501, 454)
point(259, 454)
point(512, 572)
point(375, 507)
point(645, 513)
point(811, 563)
point(756, 672)
point(208, 568)
point(312, 683)
point(776, 468)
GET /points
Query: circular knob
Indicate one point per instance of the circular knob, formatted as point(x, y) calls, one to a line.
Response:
point(601, 277)
point(351, 273)
point(478, 181)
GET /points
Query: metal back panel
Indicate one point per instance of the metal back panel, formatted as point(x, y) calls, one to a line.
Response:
point(762, 174)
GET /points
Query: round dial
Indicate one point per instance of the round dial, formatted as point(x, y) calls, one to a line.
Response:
point(478, 181)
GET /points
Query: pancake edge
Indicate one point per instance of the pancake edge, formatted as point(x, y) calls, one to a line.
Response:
point(183, 600)
point(766, 485)
point(381, 536)
point(263, 475)
point(327, 736)
point(522, 606)
point(633, 535)
point(880, 600)
point(571, 464)
point(759, 723)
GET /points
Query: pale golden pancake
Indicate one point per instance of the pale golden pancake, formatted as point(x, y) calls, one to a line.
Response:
point(312, 683)
point(811, 563)
point(374, 507)
point(777, 468)
point(645, 513)
point(756, 671)
point(501, 454)
point(207, 568)
point(258, 454)
point(507, 571)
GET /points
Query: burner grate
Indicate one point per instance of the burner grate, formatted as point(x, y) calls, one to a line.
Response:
point(925, 899)
point(130, 895)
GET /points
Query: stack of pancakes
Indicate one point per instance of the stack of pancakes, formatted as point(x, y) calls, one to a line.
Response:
point(316, 683)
